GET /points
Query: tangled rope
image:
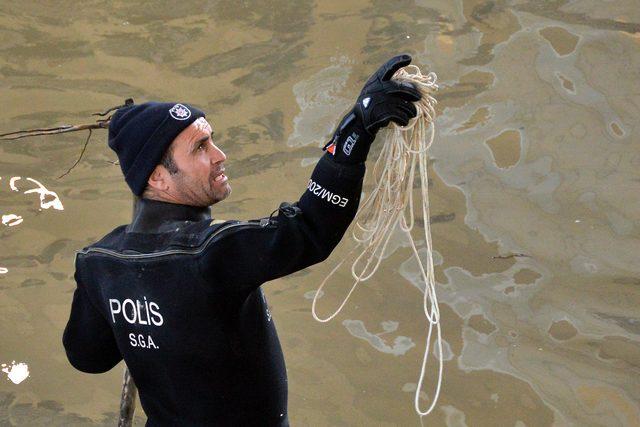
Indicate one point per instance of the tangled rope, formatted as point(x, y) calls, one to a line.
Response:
point(391, 204)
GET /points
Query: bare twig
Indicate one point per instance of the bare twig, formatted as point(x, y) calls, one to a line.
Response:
point(127, 400)
point(81, 153)
point(35, 130)
point(99, 124)
point(127, 102)
point(52, 131)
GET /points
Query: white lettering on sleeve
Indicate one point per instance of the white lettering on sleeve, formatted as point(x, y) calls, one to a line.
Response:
point(324, 194)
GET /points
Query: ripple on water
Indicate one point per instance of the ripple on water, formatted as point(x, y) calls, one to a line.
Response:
point(616, 129)
point(622, 349)
point(312, 294)
point(50, 413)
point(505, 148)
point(480, 117)
point(526, 276)
point(561, 40)
point(570, 82)
point(567, 83)
point(562, 330)
point(320, 102)
point(629, 324)
point(400, 346)
point(454, 417)
point(481, 324)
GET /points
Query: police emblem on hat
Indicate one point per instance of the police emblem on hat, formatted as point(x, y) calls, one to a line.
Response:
point(180, 112)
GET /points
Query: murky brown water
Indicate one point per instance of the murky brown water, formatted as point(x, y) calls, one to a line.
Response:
point(536, 154)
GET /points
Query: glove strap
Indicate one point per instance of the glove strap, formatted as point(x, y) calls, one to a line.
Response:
point(350, 142)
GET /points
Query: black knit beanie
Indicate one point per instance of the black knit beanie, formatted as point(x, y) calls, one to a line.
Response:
point(140, 134)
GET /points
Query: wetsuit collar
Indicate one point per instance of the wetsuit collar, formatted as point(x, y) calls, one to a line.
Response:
point(150, 215)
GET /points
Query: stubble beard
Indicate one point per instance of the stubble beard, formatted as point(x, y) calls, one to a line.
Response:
point(218, 196)
point(206, 196)
point(215, 194)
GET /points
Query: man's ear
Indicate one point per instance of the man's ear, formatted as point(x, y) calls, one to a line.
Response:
point(158, 179)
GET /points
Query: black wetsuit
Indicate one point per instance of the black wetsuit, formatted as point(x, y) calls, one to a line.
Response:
point(178, 297)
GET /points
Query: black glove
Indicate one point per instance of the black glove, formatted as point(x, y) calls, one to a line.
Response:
point(381, 101)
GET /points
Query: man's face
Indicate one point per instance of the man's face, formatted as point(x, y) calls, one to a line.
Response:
point(200, 180)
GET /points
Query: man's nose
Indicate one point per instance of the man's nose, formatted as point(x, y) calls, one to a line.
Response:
point(218, 155)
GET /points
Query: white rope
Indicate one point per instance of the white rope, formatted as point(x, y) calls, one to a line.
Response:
point(391, 204)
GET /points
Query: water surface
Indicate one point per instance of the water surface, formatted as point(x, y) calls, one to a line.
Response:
point(536, 153)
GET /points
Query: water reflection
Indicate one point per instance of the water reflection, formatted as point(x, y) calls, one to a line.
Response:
point(48, 199)
point(400, 346)
point(319, 97)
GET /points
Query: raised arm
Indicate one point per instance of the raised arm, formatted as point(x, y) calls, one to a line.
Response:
point(307, 231)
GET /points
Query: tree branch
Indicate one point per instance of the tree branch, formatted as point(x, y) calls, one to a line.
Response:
point(52, 131)
point(81, 153)
point(99, 124)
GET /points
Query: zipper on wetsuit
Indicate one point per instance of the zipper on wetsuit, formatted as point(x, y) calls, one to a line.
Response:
point(262, 223)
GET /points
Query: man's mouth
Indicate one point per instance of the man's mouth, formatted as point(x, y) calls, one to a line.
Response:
point(221, 177)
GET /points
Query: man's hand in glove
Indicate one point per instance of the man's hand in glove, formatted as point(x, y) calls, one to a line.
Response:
point(380, 102)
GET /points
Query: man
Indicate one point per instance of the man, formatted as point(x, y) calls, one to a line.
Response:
point(178, 295)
